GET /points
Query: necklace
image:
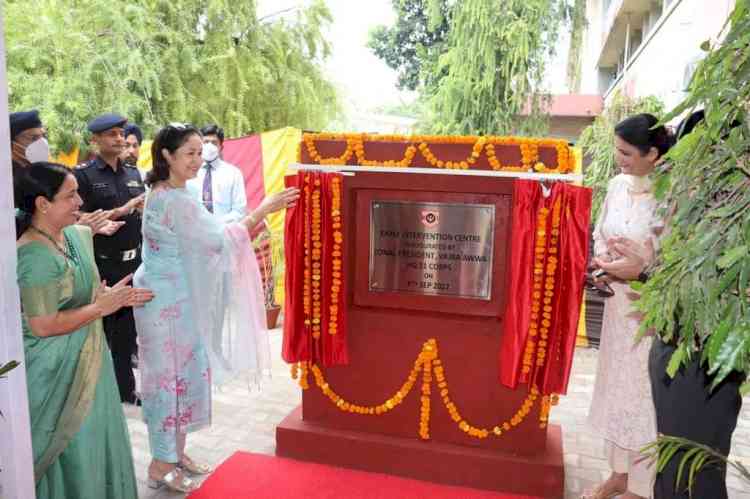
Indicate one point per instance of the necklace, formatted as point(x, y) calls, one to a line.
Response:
point(70, 254)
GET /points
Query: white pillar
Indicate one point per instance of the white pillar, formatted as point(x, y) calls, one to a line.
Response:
point(16, 459)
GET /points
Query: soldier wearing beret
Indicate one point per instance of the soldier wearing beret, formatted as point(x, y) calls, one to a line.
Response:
point(28, 144)
point(108, 183)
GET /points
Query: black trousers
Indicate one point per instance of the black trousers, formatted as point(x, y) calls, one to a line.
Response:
point(686, 408)
point(119, 329)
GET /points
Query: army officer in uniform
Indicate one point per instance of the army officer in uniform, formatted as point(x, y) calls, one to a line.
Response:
point(108, 183)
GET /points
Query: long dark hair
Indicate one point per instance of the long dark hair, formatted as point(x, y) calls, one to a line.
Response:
point(640, 131)
point(171, 137)
point(38, 179)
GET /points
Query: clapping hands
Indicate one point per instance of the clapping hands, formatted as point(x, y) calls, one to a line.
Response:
point(110, 300)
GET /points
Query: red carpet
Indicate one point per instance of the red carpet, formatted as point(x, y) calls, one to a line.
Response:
point(255, 476)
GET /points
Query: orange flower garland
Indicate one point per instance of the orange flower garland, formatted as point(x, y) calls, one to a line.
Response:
point(529, 151)
point(359, 150)
point(338, 239)
point(307, 286)
point(317, 246)
point(429, 363)
point(309, 140)
point(452, 165)
point(536, 295)
point(542, 295)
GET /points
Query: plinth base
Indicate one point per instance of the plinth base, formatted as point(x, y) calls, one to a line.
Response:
point(539, 475)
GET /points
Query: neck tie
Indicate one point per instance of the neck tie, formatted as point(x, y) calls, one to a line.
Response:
point(208, 196)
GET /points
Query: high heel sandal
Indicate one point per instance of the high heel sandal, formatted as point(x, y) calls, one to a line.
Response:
point(194, 468)
point(174, 480)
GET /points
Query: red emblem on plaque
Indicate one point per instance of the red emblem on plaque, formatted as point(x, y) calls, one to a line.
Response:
point(430, 218)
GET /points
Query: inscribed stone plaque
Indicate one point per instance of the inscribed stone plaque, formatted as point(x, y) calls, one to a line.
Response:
point(432, 248)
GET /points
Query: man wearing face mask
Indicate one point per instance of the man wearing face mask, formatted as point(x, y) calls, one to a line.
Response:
point(219, 185)
point(108, 183)
point(28, 144)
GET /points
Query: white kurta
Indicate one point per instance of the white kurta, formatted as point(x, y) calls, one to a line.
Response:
point(622, 408)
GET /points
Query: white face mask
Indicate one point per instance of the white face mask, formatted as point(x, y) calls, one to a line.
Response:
point(38, 151)
point(210, 152)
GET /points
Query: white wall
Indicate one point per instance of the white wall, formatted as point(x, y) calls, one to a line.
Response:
point(16, 460)
point(657, 67)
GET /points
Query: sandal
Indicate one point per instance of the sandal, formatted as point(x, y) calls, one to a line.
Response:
point(598, 493)
point(194, 468)
point(174, 480)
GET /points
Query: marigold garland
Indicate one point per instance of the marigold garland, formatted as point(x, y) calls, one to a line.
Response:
point(542, 295)
point(529, 148)
point(428, 363)
point(338, 239)
point(317, 250)
point(307, 285)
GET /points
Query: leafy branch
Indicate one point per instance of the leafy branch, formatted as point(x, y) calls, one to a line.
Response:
point(6, 368)
point(697, 296)
point(695, 457)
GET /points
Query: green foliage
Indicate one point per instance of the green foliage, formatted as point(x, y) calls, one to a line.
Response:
point(698, 296)
point(693, 456)
point(157, 61)
point(494, 65)
point(412, 46)
point(597, 143)
point(6, 368)
point(575, 50)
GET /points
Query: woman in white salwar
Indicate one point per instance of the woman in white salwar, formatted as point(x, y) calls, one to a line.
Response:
point(622, 409)
point(207, 320)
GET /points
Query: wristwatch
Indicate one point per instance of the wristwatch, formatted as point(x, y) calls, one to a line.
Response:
point(645, 274)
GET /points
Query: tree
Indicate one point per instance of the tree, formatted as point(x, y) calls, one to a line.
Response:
point(413, 45)
point(597, 143)
point(494, 65)
point(157, 61)
point(698, 297)
point(575, 50)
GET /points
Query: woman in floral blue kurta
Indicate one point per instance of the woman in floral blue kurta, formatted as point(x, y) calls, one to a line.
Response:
point(207, 319)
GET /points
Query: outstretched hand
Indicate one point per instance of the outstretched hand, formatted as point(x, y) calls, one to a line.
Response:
point(279, 201)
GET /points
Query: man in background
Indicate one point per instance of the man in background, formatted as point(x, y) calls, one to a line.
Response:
point(219, 185)
point(133, 141)
point(108, 183)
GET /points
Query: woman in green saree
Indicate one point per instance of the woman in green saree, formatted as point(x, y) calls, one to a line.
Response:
point(79, 436)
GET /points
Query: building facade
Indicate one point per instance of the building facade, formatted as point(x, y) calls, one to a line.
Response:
point(647, 47)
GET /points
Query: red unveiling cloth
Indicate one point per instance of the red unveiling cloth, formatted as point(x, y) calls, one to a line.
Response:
point(572, 247)
point(299, 344)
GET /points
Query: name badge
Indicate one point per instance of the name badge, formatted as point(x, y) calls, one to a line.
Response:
point(134, 183)
point(100, 186)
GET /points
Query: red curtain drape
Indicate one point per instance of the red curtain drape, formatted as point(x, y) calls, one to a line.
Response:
point(300, 344)
point(568, 245)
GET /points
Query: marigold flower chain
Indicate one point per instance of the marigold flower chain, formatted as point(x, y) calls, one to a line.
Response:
point(529, 148)
point(336, 255)
point(429, 364)
point(307, 282)
point(317, 246)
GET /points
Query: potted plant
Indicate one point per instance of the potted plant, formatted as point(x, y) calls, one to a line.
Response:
point(270, 253)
